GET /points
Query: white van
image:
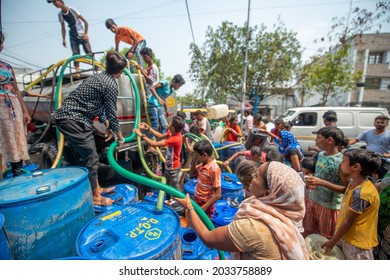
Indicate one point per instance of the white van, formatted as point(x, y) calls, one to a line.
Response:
point(351, 120)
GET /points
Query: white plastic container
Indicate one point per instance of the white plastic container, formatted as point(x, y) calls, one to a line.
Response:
point(218, 111)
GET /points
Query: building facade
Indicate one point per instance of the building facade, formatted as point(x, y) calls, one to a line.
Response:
point(371, 56)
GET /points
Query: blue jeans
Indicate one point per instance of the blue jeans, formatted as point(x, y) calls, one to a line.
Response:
point(157, 118)
point(137, 52)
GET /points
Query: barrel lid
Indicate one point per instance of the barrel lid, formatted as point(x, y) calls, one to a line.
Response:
point(40, 184)
point(130, 232)
point(122, 194)
point(230, 181)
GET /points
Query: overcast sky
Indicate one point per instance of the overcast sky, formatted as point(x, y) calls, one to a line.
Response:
point(33, 33)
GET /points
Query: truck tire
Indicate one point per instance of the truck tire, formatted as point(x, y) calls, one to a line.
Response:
point(49, 153)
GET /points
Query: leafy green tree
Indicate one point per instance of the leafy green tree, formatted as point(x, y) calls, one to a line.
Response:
point(217, 66)
point(190, 99)
point(331, 73)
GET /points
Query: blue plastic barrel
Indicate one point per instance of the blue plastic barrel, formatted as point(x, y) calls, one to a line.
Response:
point(132, 232)
point(212, 254)
point(231, 187)
point(191, 244)
point(44, 211)
point(122, 194)
point(5, 250)
point(224, 212)
point(152, 196)
point(74, 258)
point(189, 187)
point(226, 153)
point(31, 167)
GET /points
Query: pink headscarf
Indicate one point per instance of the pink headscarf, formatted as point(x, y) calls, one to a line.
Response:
point(282, 210)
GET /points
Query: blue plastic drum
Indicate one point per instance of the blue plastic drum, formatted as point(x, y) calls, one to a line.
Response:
point(44, 211)
point(31, 167)
point(226, 153)
point(5, 250)
point(189, 187)
point(132, 232)
point(224, 212)
point(152, 196)
point(212, 254)
point(192, 246)
point(216, 145)
point(231, 187)
point(122, 195)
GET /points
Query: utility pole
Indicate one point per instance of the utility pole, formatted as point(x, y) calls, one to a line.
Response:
point(245, 67)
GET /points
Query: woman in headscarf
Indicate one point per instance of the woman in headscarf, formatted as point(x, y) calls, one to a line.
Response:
point(266, 225)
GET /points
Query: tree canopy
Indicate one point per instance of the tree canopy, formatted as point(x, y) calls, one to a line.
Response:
point(332, 73)
point(217, 66)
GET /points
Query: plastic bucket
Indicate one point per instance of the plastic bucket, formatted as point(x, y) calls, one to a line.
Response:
point(44, 211)
point(5, 250)
point(122, 195)
point(132, 232)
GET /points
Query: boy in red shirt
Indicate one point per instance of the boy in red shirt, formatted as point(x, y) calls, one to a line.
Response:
point(129, 36)
point(173, 143)
point(208, 187)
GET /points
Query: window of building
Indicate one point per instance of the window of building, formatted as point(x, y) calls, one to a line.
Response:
point(372, 83)
point(375, 58)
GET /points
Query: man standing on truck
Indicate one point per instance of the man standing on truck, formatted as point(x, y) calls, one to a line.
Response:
point(78, 35)
point(95, 97)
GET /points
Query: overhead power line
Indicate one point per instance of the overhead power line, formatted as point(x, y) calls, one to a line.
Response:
point(21, 60)
point(189, 19)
